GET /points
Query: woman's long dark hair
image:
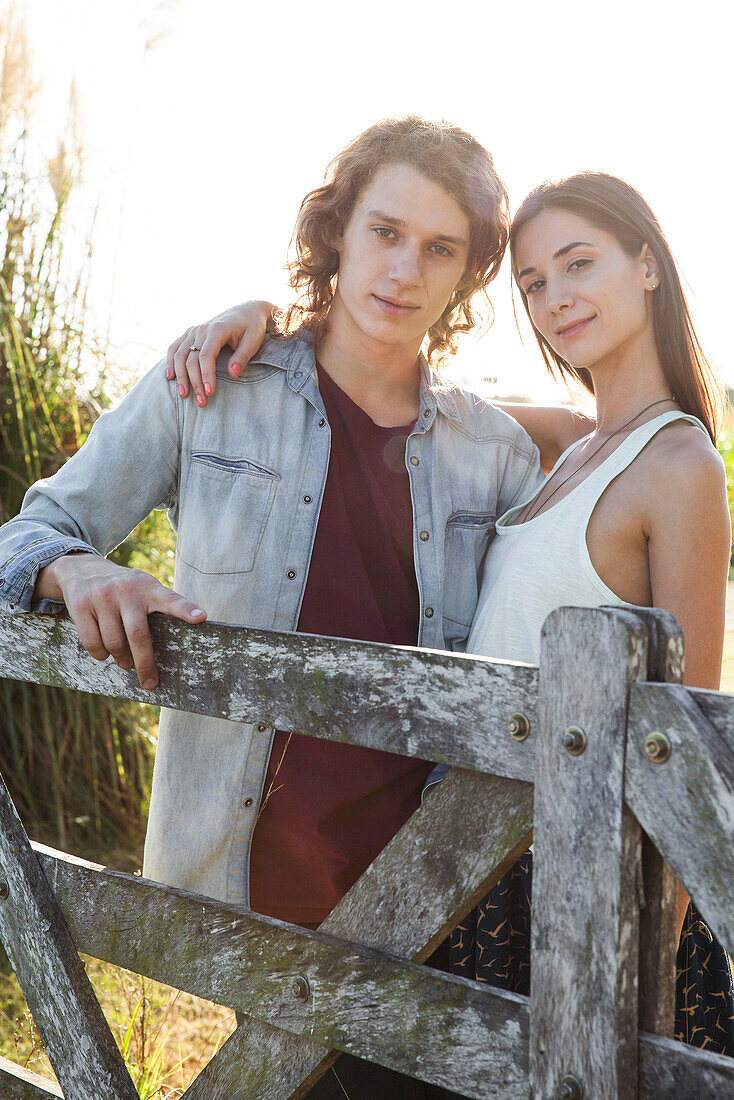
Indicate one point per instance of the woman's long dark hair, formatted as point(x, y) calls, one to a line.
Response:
point(611, 204)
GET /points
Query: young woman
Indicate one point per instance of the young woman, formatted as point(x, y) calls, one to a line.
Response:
point(633, 513)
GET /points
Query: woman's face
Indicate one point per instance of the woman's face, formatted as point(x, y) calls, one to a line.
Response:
point(588, 297)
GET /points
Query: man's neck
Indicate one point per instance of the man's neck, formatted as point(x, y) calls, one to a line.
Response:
point(384, 380)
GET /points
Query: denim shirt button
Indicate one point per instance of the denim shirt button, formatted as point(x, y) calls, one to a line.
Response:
point(291, 574)
point(429, 612)
point(2, 581)
point(297, 373)
point(414, 461)
point(321, 422)
point(424, 536)
point(247, 803)
point(426, 413)
point(307, 499)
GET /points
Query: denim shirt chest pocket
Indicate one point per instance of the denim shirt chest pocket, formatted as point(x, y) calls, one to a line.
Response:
point(224, 512)
point(468, 534)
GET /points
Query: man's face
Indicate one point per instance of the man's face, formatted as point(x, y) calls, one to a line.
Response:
point(403, 253)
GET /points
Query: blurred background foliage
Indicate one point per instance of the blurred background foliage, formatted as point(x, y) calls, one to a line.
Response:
point(78, 766)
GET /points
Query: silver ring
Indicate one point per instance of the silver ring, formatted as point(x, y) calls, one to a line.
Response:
point(193, 347)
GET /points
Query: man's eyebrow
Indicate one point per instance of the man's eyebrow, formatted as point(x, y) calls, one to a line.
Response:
point(401, 224)
point(557, 255)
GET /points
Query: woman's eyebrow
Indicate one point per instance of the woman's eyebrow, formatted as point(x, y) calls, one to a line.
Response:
point(557, 255)
point(567, 248)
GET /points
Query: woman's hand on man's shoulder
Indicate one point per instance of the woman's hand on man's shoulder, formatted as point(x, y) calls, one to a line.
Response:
point(192, 357)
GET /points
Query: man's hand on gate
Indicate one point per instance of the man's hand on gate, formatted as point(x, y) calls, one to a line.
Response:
point(110, 605)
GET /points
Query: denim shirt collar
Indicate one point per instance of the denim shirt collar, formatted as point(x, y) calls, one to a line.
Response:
point(296, 357)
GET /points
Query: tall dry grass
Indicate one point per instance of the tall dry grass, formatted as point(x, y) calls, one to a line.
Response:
point(78, 766)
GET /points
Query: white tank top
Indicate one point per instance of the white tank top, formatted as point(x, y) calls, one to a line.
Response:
point(536, 566)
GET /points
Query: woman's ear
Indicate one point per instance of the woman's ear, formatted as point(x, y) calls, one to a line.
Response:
point(650, 270)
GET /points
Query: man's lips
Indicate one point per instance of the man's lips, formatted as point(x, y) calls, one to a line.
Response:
point(572, 327)
point(394, 305)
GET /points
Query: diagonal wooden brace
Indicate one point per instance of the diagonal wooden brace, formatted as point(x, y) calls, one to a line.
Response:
point(63, 1004)
point(465, 837)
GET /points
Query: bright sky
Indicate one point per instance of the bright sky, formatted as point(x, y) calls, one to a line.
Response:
point(205, 123)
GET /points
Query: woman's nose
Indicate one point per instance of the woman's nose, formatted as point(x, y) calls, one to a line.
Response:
point(557, 295)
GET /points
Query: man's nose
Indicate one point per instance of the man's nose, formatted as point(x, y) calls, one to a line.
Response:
point(406, 267)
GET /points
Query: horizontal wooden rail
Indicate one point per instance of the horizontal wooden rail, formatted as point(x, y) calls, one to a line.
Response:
point(443, 1029)
point(440, 1028)
point(430, 704)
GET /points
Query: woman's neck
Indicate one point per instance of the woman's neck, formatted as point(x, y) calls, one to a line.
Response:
point(625, 384)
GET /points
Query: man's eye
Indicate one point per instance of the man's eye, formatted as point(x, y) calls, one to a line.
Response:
point(384, 232)
point(441, 250)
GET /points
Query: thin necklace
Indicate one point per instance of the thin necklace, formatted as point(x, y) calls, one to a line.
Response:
point(541, 504)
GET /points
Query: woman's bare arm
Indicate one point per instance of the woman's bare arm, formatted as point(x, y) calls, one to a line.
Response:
point(552, 428)
point(689, 543)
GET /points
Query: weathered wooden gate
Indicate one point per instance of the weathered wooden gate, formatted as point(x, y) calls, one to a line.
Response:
point(632, 774)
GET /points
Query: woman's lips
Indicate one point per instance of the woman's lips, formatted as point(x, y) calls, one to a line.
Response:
point(573, 330)
point(392, 307)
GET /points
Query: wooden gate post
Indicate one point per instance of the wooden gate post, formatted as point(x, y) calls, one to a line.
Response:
point(586, 873)
point(658, 942)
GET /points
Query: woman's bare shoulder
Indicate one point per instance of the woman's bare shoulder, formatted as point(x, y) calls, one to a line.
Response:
point(683, 463)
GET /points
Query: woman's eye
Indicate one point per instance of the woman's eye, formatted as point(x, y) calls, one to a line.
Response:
point(384, 232)
point(534, 287)
point(577, 265)
point(441, 250)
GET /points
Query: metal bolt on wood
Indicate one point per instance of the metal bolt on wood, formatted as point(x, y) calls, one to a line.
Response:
point(574, 740)
point(300, 989)
point(518, 727)
point(658, 748)
point(4, 891)
point(570, 1088)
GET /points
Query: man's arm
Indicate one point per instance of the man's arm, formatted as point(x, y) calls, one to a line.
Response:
point(552, 428)
point(52, 553)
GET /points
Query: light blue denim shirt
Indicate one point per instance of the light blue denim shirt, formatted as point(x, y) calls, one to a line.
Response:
point(242, 482)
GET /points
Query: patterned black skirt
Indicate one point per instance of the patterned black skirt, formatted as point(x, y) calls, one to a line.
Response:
point(493, 945)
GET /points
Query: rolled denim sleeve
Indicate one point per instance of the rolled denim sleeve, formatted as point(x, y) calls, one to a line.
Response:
point(127, 467)
point(20, 571)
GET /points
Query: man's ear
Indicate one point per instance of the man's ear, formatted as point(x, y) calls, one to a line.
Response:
point(334, 237)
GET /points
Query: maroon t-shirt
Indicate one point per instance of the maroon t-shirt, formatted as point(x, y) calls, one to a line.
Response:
point(329, 808)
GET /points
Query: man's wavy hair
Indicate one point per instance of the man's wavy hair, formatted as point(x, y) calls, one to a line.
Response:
point(445, 154)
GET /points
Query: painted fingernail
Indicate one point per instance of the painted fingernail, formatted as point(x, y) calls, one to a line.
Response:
point(181, 391)
point(207, 389)
point(150, 684)
point(235, 369)
point(200, 400)
point(169, 375)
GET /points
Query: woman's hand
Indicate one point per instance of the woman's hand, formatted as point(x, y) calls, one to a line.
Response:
point(243, 327)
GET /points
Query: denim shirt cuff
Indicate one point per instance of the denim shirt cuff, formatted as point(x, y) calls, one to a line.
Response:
point(19, 575)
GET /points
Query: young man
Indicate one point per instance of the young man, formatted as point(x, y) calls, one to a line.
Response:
point(341, 489)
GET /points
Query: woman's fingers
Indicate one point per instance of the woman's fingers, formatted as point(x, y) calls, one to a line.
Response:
point(179, 362)
point(246, 348)
point(212, 338)
point(173, 348)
